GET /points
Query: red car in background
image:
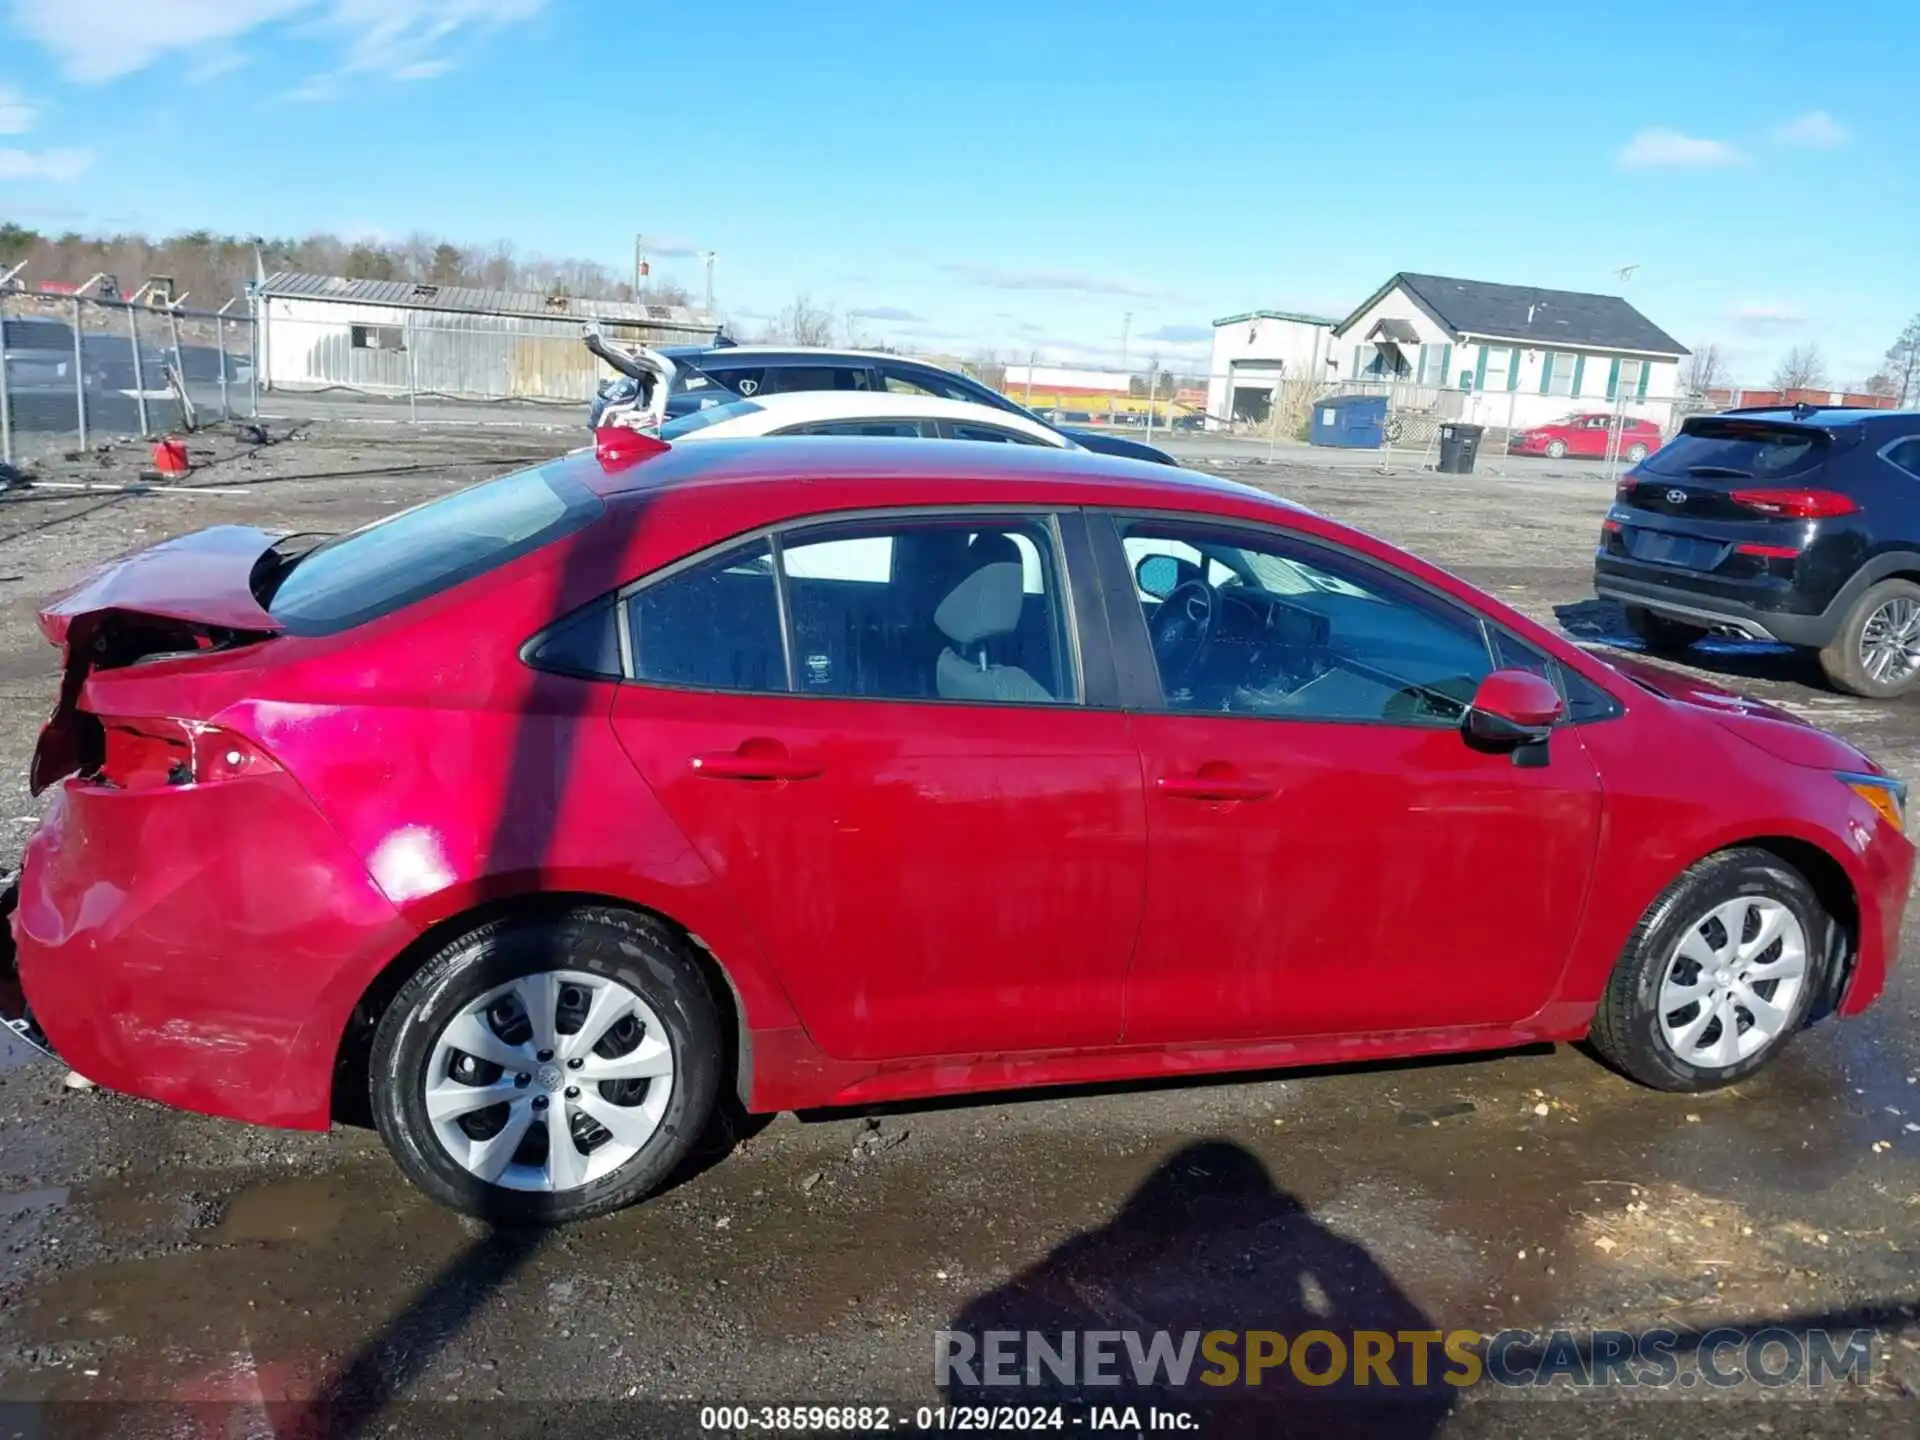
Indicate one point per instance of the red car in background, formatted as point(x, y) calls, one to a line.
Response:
point(829, 772)
point(1589, 436)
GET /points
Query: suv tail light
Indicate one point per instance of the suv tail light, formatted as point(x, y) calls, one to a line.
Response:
point(156, 754)
point(1795, 504)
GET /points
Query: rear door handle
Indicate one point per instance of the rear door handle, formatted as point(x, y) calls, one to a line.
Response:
point(755, 760)
point(1215, 780)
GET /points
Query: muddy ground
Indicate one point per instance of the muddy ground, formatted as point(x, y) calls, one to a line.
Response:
point(148, 1256)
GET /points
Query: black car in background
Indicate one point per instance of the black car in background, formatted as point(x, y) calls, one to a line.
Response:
point(1797, 525)
point(711, 375)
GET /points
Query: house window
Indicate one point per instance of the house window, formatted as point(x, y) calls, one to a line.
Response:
point(1629, 379)
point(1433, 364)
point(379, 337)
point(1556, 373)
point(1496, 369)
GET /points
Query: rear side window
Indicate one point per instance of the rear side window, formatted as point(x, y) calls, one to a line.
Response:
point(898, 429)
point(1905, 454)
point(393, 562)
point(1739, 451)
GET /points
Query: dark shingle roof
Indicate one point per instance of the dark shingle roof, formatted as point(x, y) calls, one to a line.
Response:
point(1565, 317)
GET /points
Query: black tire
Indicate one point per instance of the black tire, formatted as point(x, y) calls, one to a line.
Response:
point(1626, 1028)
point(637, 951)
point(1661, 635)
point(1841, 659)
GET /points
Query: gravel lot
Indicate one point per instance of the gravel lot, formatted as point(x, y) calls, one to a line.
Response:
point(147, 1256)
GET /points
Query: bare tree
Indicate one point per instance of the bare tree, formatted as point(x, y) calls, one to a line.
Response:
point(1801, 368)
point(1902, 365)
point(1706, 369)
point(1879, 383)
point(804, 323)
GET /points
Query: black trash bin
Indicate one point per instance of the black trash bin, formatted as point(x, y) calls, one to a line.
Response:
point(1459, 444)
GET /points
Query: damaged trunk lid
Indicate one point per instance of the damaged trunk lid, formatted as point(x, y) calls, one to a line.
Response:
point(198, 594)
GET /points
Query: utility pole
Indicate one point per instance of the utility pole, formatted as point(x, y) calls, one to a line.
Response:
point(707, 258)
point(1126, 334)
point(639, 262)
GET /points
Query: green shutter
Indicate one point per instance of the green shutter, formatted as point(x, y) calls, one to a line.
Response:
point(1420, 369)
point(1579, 372)
point(1480, 371)
point(1513, 367)
point(1546, 372)
point(1646, 368)
point(1613, 378)
point(1446, 361)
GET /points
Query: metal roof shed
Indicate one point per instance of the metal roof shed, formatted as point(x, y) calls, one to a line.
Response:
point(401, 337)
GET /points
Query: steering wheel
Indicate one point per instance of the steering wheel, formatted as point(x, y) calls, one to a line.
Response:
point(1181, 631)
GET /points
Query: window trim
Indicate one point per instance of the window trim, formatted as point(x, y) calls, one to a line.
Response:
point(1899, 440)
point(1054, 518)
point(1139, 672)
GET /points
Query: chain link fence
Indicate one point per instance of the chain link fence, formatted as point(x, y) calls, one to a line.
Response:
point(78, 370)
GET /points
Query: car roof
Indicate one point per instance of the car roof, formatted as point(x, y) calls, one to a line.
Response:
point(795, 352)
point(1054, 476)
point(798, 407)
point(1820, 415)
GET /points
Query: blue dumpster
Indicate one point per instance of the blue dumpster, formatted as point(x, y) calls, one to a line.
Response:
point(1351, 422)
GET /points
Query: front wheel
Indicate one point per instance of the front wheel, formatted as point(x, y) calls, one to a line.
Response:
point(1877, 652)
point(1717, 976)
point(547, 1069)
point(1556, 449)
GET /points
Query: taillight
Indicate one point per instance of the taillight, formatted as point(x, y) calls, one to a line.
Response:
point(155, 754)
point(1795, 504)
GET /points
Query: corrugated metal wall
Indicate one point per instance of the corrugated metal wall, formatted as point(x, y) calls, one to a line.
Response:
point(312, 343)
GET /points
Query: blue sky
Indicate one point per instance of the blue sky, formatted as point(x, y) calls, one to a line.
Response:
point(1022, 176)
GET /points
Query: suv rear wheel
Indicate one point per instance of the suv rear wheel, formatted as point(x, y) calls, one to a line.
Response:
point(1877, 652)
point(1659, 634)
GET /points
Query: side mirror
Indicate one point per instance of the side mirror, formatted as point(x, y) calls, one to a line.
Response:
point(1512, 709)
point(1161, 575)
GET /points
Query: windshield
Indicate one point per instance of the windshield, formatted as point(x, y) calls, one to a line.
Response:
point(393, 562)
point(712, 415)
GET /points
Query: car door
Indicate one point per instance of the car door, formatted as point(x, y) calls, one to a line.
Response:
point(1327, 854)
point(876, 733)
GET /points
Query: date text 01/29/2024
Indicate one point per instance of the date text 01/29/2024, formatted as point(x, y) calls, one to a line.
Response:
point(977, 1419)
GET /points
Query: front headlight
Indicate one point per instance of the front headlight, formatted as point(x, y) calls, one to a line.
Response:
point(1882, 792)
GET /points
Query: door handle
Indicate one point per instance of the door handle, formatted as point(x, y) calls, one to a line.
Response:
point(755, 760)
point(1214, 780)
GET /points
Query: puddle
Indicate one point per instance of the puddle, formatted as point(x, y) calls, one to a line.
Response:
point(283, 1210)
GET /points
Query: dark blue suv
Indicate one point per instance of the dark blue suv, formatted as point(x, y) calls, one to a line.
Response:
point(1798, 525)
point(709, 375)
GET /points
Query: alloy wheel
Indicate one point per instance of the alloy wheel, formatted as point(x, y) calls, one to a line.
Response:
point(1731, 986)
point(549, 1082)
point(1890, 641)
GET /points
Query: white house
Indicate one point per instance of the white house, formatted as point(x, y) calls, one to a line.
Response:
point(1254, 352)
point(1508, 355)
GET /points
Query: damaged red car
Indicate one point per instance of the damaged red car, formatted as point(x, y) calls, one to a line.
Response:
point(536, 820)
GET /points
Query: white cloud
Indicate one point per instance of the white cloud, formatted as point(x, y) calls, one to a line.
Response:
point(1662, 149)
point(16, 112)
point(1066, 282)
point(44, 164)
point(1815, 130)
point(98, 40)
point(1765, 317)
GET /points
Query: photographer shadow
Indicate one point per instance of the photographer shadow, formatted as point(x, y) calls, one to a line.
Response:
point(1209, 1243)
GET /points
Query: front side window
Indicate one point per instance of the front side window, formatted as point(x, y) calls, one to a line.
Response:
point(993, 434)
point(1250, 623)
point(785, 379)
point(904, 381)
point(935, 608)
point(897, 429)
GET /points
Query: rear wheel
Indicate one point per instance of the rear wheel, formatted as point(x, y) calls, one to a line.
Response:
point(542, 1070)
point(1877, 652)
point(1636, 452)
point(1717, 976)
point(1659, 634)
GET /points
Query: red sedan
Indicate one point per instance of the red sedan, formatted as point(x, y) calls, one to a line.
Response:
point(1593, 436)
point(831, 772)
